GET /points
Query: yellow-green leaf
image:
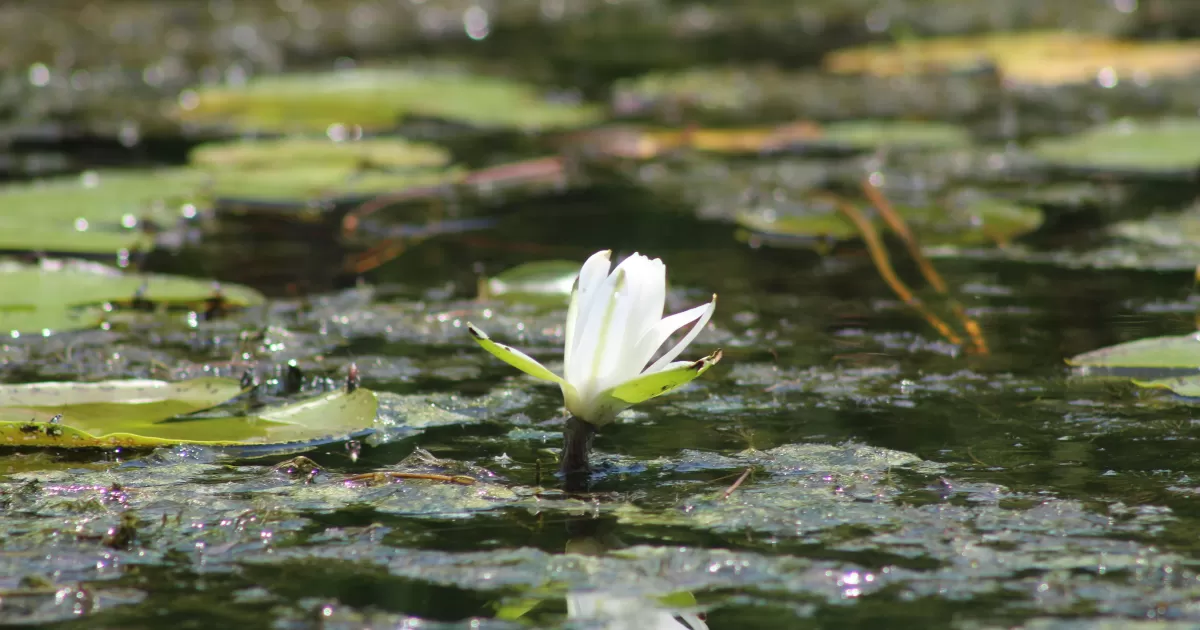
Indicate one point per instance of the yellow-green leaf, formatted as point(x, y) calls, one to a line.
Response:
point(514, 357)
point(149, 413)
point(1181, 351)
point(659, 383)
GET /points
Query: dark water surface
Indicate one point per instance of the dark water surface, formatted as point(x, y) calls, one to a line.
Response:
point(1036, 497)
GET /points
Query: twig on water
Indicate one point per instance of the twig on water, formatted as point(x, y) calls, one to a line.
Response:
point(737, 483)
point(884, 265)
point(900, 228)
point(378, 477)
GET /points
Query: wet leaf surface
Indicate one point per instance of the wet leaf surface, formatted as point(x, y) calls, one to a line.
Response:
point(1034, 58)
point(1157, 352)
point(1166, 147)
point(141, 414)
point(97, 212)
point(377, 99)
point(58, 295)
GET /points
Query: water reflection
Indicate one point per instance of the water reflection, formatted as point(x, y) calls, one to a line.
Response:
point(615, 610)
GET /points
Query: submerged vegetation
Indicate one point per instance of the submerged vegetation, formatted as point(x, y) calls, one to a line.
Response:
point(243, 247)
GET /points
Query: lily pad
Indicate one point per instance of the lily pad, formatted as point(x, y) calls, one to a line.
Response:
point(1155, 352)
point(1188, 386)
point(871, 134)
point(301, 152)
point(962, 219)
point(305, 183)
point(761, 93)
point(148, 413)
point(377, 99)
point(96, 212)
point(49, 296)
point(91, 407)
point(1034, 58)
point(1164, 147)
point(541, 282)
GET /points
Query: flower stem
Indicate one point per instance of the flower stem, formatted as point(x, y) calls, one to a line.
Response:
point(577, 445)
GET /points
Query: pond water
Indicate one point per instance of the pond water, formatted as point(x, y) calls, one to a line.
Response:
point(846, 463)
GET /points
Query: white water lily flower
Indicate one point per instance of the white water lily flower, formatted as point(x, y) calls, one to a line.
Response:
point(615, 325)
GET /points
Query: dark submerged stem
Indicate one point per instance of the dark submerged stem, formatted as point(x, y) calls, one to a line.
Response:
point(577, 445)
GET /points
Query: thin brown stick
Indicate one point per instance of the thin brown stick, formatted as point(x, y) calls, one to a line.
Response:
point(376, 256)
point(884, 265)
point(461, 480)
point(737, 483)
point(354, 217)
point(900, 227)
point(935, 280)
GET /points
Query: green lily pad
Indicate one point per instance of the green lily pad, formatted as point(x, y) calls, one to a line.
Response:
point(1164, 147)
point(964, 219)
point(543, 282)
point(96, 212)
point(303, 152)
point(1183, 385)
point(1041, 58)
point(306, 183)
point(149, 413)
point(1164, 238)
point(871, 134)
point(91, 407)
point(49, 296)
point(1154, 352)
point(15, 321)
point(376, 99)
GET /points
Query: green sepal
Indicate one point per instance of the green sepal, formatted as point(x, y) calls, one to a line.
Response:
point(664, 381)
point(514, 357)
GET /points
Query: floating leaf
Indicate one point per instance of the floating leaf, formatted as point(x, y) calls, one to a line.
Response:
point(95, 407)
point(965, 218)
point(146, 413)
point(46, 296)
point(1037, 58)
point(376, 99)
point(302, 184)
point(1168, 146)
point(1183, 385)
point(755, 94)
point(96, 212)
point(542, 282)
point(46, 319)
point(871, 134)
point(810, 219)
point(74, 283)
point(1155, 352)
point(296, 152)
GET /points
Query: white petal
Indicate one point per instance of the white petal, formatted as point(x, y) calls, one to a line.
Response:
point(683, 343)
point(591, 276)
point(596, 333)
point(595, 268)
point(595, 410)
point(569, 331)
point(663, 329)
point(650, 294)
point(627, 324)
point(610, 348)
